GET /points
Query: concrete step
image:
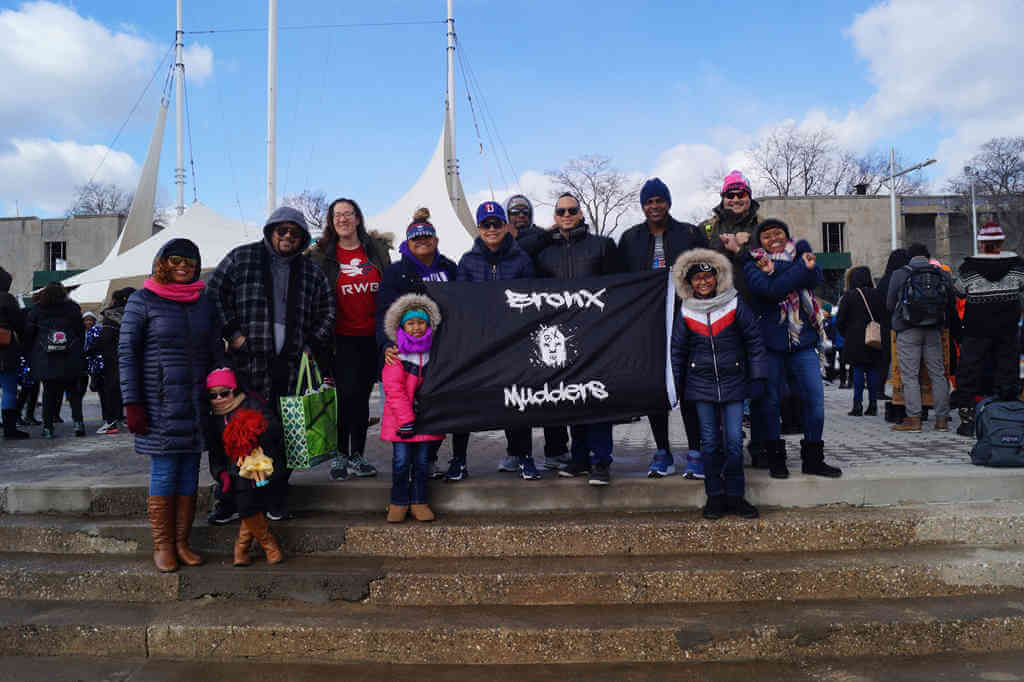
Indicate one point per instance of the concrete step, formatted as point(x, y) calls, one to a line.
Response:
point(1003, 666)
point(889, 574)
point(554, 534)
point(226, 630)
point(630, 491)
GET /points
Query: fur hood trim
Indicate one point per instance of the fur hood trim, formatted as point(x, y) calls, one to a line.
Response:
point(723, 271)
point(407, 302)
point(387, 237)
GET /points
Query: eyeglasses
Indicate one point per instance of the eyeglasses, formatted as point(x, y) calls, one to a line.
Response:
point(181, 260)
point(572, 210)
point(344, 214)
point(735, 195)
point(213, 395)
point(284, 230)
point(517, 211)
point(491, 225)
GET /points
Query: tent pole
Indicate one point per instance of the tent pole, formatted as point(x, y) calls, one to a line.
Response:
point(179, 82)
point(272, 107)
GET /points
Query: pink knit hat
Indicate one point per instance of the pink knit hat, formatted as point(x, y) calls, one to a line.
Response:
point(991, 232)
point(735, 180)
point(222, 377)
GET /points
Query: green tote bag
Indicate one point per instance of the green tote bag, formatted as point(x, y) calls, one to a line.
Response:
point(310, 419)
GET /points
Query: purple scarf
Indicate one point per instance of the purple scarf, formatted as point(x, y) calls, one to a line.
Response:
point(408, 344)
point(433, 273)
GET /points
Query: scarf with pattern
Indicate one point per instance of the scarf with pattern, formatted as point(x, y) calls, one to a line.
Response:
point(795, 301)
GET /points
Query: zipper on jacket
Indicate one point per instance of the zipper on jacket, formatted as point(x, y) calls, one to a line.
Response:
point(714, 358)
point(494, 272)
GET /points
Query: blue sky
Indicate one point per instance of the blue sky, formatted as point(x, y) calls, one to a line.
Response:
point(668, 88)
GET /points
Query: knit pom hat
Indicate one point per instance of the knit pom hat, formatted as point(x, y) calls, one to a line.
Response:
point(222, 377)
point(655, 188)
point(420, 225)
point(735, 180)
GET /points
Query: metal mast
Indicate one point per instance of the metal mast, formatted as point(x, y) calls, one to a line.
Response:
point(452, 165)
point(179, 67)
point(271, 107)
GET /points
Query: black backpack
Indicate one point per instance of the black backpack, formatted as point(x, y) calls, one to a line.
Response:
point(925, 297)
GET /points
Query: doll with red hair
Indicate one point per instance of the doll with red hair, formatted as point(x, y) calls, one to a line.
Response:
point(246, 453)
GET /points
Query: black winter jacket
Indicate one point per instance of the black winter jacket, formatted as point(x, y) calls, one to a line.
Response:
point(399, 279)
point(12, 317)
point(636, 245)
point(580, 254)
point(165, 351)
point(65, 365)
point(272, 442)
point(480, 264)
point(853, 318)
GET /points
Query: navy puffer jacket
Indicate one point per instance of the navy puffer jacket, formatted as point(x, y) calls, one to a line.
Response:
point(165, 351)
point(715, 353)
point(768, 291)
point(480, 264)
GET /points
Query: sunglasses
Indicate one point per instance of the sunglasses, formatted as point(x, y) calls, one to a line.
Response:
point(572, 210)
point(283, 230)
point(213, 395)
point(491, 225)
point(181, 260)
point(518, 211)
point(735, 195)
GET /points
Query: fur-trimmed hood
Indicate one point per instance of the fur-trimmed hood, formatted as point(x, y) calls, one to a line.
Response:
point(723, 271)
point(407, 302)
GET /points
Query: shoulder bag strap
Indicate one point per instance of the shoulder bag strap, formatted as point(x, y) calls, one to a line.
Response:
point(866, 304)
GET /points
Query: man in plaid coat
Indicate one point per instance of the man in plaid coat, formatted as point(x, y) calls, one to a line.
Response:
point(274, 303)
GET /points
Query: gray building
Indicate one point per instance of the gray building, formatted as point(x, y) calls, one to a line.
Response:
point(35, 249)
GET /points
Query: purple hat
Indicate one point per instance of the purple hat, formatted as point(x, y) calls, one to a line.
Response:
point(490, 209)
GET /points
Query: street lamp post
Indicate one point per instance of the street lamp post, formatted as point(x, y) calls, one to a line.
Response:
point(969, 172)
point(892, 189)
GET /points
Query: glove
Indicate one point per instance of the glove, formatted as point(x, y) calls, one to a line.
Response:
point(225, 482)
point(406, 430)
point(135, 418)
point(757, 389)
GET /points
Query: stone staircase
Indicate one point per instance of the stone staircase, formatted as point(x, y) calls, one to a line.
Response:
point(550, 595)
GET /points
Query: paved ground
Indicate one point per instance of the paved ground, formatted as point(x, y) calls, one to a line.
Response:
point(849, 442)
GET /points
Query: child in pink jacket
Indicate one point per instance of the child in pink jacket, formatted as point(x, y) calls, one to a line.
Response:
point(410, 323)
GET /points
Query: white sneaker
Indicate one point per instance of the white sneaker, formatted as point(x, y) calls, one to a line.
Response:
point(108, 427)
point(509, 463)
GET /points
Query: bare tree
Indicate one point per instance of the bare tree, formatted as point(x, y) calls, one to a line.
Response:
point(605, 194)
point(312, 203)
point(97, 197)
point(997, 171)
point(776, 159)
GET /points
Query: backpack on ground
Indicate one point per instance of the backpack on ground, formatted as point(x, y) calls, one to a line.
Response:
point(999, 427)
point(924, 297)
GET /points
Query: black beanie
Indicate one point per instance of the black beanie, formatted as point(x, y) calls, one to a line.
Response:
point(767, 225)
point(699, 267)
point(180, 247)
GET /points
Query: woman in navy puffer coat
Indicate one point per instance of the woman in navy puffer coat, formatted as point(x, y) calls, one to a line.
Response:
point(718, 360)
point(170, 340)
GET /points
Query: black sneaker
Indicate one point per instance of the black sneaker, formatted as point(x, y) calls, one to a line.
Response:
point(279, 515)
point(573, 470)
point(222, 515)
point(714, 508)
point(740, 507)
point(600, 475)
point(457, 471)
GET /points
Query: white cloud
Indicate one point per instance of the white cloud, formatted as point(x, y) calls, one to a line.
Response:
point(43, 173)
point(198, 60)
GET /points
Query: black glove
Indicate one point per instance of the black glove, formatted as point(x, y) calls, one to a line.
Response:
point(406, 430)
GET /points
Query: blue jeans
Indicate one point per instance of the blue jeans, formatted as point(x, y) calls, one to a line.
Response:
point(723, 466)
point(9, 386)
point(802, 365)
point(409, 471)
point(591, 438)
point(174, 475)
point(858, 383)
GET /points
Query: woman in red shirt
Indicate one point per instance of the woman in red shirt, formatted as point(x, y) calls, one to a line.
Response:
point(353, 260)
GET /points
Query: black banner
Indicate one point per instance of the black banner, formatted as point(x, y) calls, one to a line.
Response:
point(543, 352)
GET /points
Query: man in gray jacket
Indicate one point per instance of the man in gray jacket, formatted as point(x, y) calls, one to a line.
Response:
point(920, 298)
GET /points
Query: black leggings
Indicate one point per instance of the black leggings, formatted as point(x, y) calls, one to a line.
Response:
point(53, 394)
point(28, 396)
point(355, 373)
point(659, 427)
point(692, 425)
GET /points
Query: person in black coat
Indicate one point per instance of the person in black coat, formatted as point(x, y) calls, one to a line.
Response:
point(106, 347)
point(170, 340)
point(13, 322)
point(860, 305)
point(718, 361)
point(654, 244)
point(899, 258)
point(55, 338)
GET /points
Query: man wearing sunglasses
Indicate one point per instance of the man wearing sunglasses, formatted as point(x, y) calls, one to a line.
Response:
point(732, 221)
point(655, 244)
point(571, 251)
point(274, 304)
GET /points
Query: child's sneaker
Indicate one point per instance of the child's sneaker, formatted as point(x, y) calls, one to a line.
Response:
point(508, 464)
point(600, 475)
point(694, 468)
point(528, 470)
point(437, 471)
point(456, 471)
point(662, 464)
point(339, 468)
point(358, 466)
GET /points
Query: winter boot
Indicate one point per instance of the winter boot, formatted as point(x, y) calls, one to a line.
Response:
point(812, 453)
point(758, 454)
point(161, 523)
point(422, 512)
point(857, 411)
point(966, 427)
point(872, 409)
point(185, 514)
point(397, 512)
point(259, 529)
point(942, 424)
point(908, 424)
point(242, 544)
point(776, 454)
point(11, 425)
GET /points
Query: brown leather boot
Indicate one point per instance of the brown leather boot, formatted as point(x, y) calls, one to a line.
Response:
point(421, 512)
point(909, 424)
point(185, 514)
point(161, 523)
point(942, 424)
point(258, 526)
point(242, 544)
point(397, 512)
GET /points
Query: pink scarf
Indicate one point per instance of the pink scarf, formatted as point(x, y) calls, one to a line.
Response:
point(182, 293)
